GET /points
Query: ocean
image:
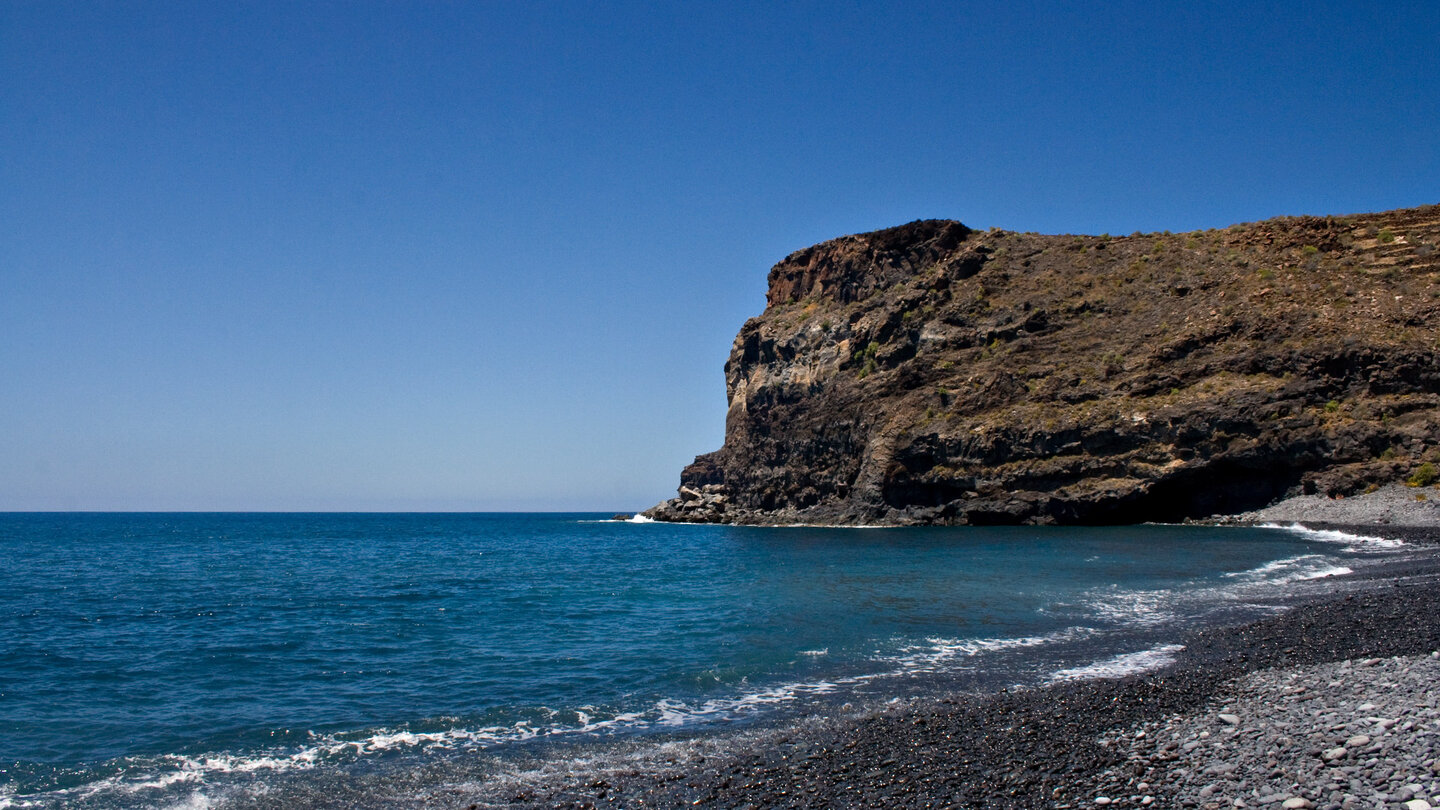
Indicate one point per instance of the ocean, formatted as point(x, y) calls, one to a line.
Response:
point(245, 660)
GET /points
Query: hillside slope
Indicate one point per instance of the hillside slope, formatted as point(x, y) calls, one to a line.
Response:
point(933, 374)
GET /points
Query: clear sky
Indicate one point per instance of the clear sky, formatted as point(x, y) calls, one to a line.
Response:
point(491, 255)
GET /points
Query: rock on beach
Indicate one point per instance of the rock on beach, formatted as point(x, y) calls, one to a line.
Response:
point(1350, 734)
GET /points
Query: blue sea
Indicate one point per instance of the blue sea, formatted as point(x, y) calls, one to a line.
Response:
point(238, 660)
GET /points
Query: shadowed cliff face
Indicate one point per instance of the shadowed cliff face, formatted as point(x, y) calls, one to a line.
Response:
point(933, 374)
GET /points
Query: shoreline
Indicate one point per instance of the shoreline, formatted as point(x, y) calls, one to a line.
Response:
point(1052, 746)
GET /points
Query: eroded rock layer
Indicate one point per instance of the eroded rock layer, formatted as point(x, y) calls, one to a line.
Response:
point(933, 374)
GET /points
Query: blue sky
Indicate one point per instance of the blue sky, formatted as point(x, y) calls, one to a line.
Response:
point(491, 256)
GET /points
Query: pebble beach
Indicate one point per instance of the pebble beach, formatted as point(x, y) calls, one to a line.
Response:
point(1353, 733)
point(1329, 704)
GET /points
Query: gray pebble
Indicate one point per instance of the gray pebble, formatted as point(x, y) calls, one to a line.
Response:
point(1290, 752)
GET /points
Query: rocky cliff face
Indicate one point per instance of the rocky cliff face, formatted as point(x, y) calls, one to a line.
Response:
point(934, 374)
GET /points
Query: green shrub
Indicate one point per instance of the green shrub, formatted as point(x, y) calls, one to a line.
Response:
point(1424, 475)
point(1332, 406)
point(1309, 250)
point(867, 357)
point(1386, 236)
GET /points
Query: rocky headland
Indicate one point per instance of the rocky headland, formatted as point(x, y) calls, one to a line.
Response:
point(934, 374)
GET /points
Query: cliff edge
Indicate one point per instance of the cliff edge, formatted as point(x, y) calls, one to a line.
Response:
point(931, 373)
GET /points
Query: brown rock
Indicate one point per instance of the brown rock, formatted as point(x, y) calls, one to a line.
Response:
point(934, 374)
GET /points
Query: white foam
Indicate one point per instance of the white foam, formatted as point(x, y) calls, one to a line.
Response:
point(195, 801)
point(1121, 665)
point(640, 519)
point(1334, 571)
point(1352, 542)
point(1292, 569)
point(1133, 607)
point(941, 652)
point(1274, 567)
point(1255, 588)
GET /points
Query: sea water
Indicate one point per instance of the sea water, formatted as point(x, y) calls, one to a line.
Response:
point(214, 660)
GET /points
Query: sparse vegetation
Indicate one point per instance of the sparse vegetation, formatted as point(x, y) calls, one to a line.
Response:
point(1386, 236)
point(1424, 475)
point(868, 362)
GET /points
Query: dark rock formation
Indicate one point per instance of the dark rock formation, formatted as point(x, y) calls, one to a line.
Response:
point(934, 374)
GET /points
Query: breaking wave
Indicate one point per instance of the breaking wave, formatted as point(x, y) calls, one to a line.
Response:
point(1352, 542)
point(1121, 665)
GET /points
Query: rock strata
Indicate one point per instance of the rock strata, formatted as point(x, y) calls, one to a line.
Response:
point(931, 373)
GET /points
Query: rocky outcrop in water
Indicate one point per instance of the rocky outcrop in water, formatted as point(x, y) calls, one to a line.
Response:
point(934, 374)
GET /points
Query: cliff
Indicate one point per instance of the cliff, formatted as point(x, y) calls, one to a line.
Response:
point(930, 373)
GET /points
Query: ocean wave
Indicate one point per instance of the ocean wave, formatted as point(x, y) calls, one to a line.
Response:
point(937, 653)
point(1300, 568)
point(1353, 543)
point(1121, 607)
point(1121, 665)
point(138, 776)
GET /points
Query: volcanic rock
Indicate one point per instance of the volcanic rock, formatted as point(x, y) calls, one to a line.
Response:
point(934, 374)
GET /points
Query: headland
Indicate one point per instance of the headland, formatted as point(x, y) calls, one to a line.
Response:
point(935, 374)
